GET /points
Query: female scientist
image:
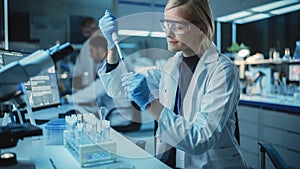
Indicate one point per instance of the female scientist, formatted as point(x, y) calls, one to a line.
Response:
point(197, 90)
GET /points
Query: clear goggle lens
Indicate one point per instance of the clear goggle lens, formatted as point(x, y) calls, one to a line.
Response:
point(177, 27)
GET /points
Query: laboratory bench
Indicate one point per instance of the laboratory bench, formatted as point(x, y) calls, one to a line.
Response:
point(287, 104)
point(35, 150)
point(270, 119)
point(38, 151)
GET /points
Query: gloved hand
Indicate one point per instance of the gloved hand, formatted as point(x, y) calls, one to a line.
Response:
point(136, 86)
point(108, 25)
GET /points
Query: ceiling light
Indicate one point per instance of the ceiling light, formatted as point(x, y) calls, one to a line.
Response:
point(286, 10)
point(158, 34)
point(252, 18)
point(273, 5)
point(133, 32)
point(128, 45)
point(234, 16)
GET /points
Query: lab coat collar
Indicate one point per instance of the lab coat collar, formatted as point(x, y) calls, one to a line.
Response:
point(170, 83)
point(210, 55)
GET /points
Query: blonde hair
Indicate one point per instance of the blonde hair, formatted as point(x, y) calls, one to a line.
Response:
point(197, 11)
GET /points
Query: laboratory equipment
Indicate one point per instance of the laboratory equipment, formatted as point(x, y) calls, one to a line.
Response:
point(124, 69)
point(286, 55)
point(102, 112)
point(258, 81)
point(42, 89)
point(10, 134)
point(258, 78)
point(276, 85)
point(13, 74)
point(54, 131)
point(297, 51)
point(276, 55)
point(115, 38)
point(21, 71)
point(294, 72)
point(271, 51)
point(89, 141)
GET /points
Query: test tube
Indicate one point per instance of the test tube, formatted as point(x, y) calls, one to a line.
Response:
point(79, 130)
point(106, 130)
point(101, 113)
point(99, 131)
point(94, 129)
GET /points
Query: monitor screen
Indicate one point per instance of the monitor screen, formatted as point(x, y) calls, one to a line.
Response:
point(294, 72)
point(42, 89)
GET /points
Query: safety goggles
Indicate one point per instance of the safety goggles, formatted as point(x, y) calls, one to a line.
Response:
point(177, 27)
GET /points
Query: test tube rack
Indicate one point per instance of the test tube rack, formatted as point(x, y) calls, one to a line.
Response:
point(87, 152)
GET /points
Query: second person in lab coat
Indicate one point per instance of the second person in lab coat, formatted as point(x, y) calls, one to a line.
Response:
point(193, 96)
point(121, 114)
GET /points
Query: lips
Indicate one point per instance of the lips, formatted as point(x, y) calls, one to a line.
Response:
point(173, 42)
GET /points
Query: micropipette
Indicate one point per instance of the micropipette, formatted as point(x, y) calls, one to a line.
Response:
point(115, 38)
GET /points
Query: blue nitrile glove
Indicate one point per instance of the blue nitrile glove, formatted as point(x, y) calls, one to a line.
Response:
point(108, 25)
point(136, 86)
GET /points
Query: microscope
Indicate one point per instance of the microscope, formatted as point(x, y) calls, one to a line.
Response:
point(11, 76)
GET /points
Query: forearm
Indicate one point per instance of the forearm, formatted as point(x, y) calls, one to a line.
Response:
point(112, 56)
point(155, 108)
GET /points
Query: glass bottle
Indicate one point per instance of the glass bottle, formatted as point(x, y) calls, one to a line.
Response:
point(286, 55)
point(271, 51)
point(297, 50)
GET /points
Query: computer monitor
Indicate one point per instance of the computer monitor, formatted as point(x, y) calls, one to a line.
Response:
point(294, 72)
point(42, 89)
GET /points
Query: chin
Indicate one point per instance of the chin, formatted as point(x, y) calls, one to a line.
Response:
point(173, 49)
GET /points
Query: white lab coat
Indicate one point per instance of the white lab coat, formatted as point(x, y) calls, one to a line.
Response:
point(85, 65)
point(204, 136)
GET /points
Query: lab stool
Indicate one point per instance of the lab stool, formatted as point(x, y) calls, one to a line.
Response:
point(275, 157)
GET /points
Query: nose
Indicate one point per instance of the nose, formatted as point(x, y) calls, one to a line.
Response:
point(169, 32)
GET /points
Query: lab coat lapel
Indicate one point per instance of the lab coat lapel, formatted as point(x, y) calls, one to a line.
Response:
point(209, 56)
point(188, 102)
point(171, 76)
point(168, 88)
